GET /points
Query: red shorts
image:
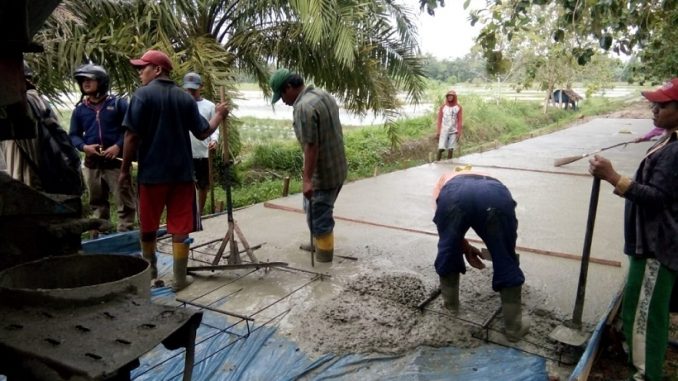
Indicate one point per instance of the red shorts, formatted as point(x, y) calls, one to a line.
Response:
point(181, 203)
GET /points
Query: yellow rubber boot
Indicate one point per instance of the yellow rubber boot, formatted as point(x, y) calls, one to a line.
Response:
point(180, 255)
point(148, 253)
point(324, 247)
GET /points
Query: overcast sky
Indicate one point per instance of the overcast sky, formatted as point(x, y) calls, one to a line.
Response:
point(448, 34)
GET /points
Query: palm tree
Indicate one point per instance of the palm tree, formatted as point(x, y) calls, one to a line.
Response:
point(363, 51)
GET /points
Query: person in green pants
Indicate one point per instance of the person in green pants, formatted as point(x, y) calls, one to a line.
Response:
point(651, 237)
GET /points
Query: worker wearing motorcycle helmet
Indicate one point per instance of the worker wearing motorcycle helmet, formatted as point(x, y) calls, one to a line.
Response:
point(96, 129)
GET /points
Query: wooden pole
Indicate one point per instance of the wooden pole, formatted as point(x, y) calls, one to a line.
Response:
point(227, 161)
point(224, 132)
point(286, 186)
point(210, 163)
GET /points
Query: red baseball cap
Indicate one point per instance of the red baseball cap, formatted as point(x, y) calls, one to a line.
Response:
point(667, 93)
point(153, 57)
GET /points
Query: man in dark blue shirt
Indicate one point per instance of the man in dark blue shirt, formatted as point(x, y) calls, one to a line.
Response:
point(158, 121)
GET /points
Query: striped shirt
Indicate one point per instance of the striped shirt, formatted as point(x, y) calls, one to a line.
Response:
point(316, 121)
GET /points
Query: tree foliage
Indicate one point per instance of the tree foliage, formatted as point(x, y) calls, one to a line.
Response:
point(466, 69)
point(620, 26)
point(363, 51)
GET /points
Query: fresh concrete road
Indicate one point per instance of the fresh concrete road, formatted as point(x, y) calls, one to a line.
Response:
point(386, 222)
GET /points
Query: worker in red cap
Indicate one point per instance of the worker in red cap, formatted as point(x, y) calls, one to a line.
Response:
point(158, 122)
point(449, 125)
point(651, 237)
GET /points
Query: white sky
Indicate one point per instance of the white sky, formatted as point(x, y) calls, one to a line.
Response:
point(448, 34)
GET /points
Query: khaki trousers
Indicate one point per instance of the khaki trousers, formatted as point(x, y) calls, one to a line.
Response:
point(101, 183)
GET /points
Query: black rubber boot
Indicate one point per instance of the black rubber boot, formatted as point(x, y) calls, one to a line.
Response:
point(511, 305)
point(449, 289)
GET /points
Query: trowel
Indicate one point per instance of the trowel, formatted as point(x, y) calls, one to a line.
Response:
point(570, 332)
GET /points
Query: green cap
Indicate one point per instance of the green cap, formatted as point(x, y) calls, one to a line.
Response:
point(276, 82)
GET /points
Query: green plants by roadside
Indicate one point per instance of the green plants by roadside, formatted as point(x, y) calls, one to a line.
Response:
point(269, 153)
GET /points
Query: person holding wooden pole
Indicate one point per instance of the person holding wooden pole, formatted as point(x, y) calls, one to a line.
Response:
point(158, 136)
point(201, 148)
point(651, 237)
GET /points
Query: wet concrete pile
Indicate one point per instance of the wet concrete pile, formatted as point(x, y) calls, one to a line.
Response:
point(403, 288)
point(377, 312)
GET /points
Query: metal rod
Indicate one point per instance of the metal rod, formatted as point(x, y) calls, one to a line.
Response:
point(205, 244)
point(290, 268)
point(237, 267)
point(431, 298)
point(288, 294)
point(243, 317)
point(189, 356)
point(310, 228)
point(487, 321)
point(255, 247)
point(586, 253)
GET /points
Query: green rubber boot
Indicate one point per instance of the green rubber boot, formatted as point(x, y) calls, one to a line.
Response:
point(449, 289)
point(515, 327)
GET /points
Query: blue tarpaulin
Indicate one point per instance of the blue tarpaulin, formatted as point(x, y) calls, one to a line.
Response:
point(264, 355)
point(224, 352)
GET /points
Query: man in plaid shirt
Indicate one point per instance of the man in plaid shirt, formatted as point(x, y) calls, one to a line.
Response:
point(318, 130)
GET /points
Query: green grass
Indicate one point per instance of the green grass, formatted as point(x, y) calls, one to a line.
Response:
point(270, 151)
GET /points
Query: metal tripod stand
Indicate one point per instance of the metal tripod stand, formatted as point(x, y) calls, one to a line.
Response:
point(234, 260)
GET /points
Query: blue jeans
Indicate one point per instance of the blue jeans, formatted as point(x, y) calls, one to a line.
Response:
point(486, 205)
point(322, 209)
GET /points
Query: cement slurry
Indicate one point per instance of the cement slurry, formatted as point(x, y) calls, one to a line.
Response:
point(386, 223)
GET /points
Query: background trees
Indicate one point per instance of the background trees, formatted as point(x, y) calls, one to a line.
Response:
point(361, 50)
point(625, 27)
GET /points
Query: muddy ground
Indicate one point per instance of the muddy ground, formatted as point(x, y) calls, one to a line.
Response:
point(612, 363)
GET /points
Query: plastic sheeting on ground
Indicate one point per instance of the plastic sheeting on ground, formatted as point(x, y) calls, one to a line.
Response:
point(223, 353)
point(264, 355)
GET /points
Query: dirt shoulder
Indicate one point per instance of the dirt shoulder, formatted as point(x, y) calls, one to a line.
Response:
point(634, 110)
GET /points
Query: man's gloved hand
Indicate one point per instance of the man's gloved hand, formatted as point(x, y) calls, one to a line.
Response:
point(473, 256)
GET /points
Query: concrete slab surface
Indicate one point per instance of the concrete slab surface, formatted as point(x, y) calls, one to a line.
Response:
point(385, 223)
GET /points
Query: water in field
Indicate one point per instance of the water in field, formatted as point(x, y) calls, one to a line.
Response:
point(253, 104)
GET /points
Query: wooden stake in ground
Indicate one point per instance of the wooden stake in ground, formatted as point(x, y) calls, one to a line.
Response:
point(571, 159)
point(233, 228)
point(210, 165)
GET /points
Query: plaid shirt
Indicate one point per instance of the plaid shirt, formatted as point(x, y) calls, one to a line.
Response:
point(316, 121)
